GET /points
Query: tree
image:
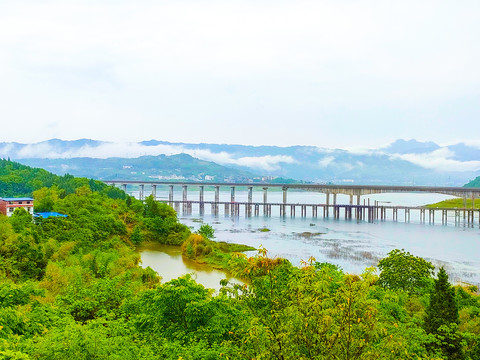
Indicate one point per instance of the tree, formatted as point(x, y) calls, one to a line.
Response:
point(207, 231)
point(401, 270)
point(441, 318)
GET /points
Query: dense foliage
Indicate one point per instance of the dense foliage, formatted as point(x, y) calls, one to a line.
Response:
point(72, 288)
point(17, 180)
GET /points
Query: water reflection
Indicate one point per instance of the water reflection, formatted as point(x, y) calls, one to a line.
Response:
point(168, 262)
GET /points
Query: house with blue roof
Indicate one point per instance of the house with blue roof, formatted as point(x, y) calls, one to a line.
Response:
point(9, 205)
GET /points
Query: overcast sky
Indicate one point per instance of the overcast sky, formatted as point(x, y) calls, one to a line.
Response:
point(339, 73)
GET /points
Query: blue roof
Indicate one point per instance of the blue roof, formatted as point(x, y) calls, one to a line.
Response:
point(17, 199)
point(49, 214)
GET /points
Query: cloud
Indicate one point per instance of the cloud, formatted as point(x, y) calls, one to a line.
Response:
point(440, 159)
point(342, 165)
point(133, 150)
point(326, 161)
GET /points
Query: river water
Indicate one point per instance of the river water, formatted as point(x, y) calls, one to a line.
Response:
point(351, 244)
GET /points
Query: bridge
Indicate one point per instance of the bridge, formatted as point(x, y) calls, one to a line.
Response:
point(354, 209)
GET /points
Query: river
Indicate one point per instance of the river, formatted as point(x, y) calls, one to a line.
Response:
point(353, 245)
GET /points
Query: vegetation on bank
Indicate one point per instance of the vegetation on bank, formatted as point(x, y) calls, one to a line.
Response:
point(456, 203)
point(72, 288)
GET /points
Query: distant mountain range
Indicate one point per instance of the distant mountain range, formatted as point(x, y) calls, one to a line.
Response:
point(400, 163)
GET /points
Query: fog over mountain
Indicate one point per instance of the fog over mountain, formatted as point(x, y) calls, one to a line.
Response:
point(401, 162)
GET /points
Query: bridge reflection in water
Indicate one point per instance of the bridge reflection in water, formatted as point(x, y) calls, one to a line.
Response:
point(361, 211)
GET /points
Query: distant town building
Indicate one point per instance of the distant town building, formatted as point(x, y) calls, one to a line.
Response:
point(8, 205)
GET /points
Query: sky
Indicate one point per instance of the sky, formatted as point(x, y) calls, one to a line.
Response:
point(338, 74)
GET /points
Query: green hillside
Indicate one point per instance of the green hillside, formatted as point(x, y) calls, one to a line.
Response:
point(474, 183)
point(17, 180)
point(142, 168)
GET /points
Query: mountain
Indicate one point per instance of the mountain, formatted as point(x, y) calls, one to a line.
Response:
point(403, 162)
point(161, 167)
point(474, 183)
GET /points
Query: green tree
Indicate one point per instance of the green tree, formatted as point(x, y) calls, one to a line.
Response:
point(207, 231)
point(20, 220)
point(441, 318)
point(401, 270)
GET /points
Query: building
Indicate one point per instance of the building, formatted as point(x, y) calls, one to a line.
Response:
point(8, 205)
point(46, 215)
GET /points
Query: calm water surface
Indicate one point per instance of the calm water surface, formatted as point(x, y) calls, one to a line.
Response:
point(350, 244)
point(168, 262)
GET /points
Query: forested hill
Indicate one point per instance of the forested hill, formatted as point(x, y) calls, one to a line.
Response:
point(17, 180)
point(181, 166)
point(474, 183)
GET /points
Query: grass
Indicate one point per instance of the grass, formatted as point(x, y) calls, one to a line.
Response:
point(455, 203)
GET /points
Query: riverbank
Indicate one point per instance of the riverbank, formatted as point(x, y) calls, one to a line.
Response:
point(456, 203)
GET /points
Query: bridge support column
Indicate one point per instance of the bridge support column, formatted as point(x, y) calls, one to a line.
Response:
point(249, 200)
point(141, 194)
point(201, 203)
point(265, 189)
point(327, 208)
point(232, 194)
point(358, 211)
point(227, 209)
point(154, 192)
point(217, 198)
point(283, 208)
point(184, 199)
point(170, 195)
point(124, 188)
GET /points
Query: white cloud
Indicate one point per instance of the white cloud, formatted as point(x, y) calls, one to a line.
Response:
point(326, 161)
point(133, 150)
point(440, 159)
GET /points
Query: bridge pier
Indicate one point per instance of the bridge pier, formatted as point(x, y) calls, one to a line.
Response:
point(327, 201)
point(283, 208)
point(154, 191)
point(217, 198)
point(141, 194)
point(170, 195)
point(184, 198)
point(124, 188)
point(265, 189)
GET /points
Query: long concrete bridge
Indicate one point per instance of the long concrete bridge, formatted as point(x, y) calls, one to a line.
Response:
point(353, 209)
